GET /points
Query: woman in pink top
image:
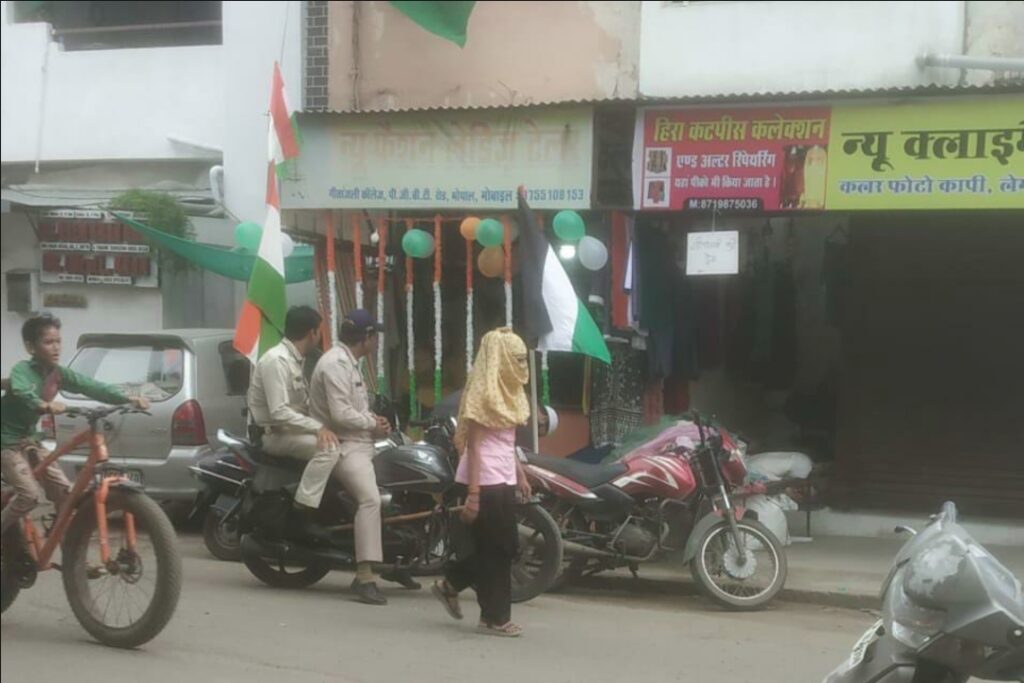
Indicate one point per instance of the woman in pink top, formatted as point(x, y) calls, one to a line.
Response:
point(493, 405)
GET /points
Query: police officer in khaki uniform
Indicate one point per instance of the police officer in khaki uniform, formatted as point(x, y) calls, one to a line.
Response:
point(339, 400)
point(278, 399)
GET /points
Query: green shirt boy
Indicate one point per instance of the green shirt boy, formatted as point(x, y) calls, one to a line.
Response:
point(32, 390)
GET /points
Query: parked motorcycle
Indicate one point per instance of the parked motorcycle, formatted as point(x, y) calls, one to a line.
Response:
point(249, 494)
point(223, 476)
point(950, 611)
point(629, 512)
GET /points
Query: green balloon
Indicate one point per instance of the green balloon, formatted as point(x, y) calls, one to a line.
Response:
point(569, 226)
point(417, 244)
point(248, 234)
point(490, 233)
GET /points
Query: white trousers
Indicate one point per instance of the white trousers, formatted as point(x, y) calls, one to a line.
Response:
point(352, 467)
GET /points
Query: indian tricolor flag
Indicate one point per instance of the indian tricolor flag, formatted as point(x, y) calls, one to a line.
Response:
point(552, 313)
point(261, 324)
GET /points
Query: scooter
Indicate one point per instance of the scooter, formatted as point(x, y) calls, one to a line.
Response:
point(654, 501)
point(950, 611)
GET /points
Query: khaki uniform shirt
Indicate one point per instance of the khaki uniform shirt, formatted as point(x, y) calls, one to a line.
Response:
point(278, 395)
point(339, 397)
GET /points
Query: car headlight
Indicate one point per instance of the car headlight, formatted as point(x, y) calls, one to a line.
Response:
point(908, 622)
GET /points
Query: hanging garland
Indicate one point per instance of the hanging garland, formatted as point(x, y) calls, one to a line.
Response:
point(545, 380)
point(332, 281)
point(437, 310)
point(382, 234)
point(357, 255)
point(410, 332)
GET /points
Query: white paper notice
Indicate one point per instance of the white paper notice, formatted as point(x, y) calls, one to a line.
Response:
point(713, 253)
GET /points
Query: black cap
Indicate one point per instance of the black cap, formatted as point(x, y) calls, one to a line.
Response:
point(360, 320)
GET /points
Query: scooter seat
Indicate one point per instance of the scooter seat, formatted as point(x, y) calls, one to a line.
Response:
point(580, 472)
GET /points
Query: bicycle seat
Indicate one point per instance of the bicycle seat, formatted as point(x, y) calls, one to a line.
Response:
point(580, 472)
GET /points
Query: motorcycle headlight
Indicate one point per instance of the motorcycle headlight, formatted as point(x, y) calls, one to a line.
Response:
point(908, 622)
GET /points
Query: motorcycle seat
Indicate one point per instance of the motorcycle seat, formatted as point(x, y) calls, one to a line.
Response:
point(281, 462)
point(580, 472)
point(258, 456)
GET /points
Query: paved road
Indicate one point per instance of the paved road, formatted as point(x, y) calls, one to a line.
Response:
point(230, 628)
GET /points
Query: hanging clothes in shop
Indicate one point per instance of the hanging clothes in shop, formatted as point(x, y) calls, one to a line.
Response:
point(655, 264)
point(763, 347)
point(835, 274)
point(616, 395)
point(618, 265)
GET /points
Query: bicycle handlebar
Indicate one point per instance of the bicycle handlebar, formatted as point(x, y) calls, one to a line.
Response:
point(94, 414)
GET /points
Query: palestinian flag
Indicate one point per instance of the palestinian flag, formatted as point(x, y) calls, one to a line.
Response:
point(552, 313)
point(447, 19)
point(261, 324)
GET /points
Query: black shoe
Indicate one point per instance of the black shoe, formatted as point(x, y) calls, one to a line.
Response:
point(402, 578)
point(368, 593)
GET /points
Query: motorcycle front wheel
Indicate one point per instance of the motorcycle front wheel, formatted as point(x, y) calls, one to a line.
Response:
point(734, 582)
point(540, 553)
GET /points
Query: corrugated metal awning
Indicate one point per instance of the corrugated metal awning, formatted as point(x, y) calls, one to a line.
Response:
point(902, 91)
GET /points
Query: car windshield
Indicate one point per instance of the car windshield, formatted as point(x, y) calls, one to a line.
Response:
point(153, 372)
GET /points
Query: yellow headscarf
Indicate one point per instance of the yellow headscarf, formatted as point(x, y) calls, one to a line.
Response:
point(494, 395)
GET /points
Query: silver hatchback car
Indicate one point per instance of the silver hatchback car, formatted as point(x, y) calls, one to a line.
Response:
point(196, 382)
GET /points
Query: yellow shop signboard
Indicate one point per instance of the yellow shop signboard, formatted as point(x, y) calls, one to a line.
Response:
point(949, 154)
point(962, 153)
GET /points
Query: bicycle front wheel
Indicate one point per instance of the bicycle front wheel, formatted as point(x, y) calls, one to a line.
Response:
point(128, 600)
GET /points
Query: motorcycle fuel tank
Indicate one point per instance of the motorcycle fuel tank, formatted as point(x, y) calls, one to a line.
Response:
point(414, 467)
point(668, 476)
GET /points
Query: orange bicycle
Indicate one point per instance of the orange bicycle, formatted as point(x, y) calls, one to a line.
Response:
point(119, 553)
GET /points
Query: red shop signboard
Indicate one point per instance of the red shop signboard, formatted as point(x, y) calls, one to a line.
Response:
point(731, 159)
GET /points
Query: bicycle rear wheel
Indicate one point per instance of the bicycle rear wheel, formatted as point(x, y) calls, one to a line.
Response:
point(127, 601)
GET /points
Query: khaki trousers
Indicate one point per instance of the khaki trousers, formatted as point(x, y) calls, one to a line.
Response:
point(352, 467)
point(17, 472)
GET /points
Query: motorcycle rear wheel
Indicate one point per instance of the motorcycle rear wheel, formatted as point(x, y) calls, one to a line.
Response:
point(713, 576)
point(540, 556)
point(278, 574)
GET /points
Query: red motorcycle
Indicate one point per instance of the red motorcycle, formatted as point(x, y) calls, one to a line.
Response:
point(680, 495)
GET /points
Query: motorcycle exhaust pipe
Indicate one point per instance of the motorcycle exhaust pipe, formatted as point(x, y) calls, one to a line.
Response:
point(526, 534)
point(573, 548)
point(289, 552)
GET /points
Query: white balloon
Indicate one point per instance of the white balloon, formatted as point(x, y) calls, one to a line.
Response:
point(287, 245)
point(592, 253)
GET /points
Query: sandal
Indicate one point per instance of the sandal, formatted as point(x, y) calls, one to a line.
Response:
point(448, 598)
point(507, 630)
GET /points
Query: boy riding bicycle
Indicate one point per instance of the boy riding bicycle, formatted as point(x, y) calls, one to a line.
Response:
point(32, 390)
